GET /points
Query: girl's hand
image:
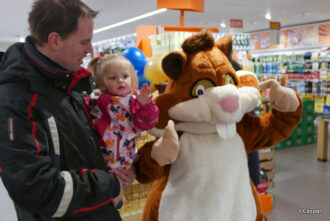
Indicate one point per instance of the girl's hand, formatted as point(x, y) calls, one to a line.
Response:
point(144, 97)
point(126, 176)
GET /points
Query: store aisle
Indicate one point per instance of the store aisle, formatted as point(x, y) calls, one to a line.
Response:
point(301, 182)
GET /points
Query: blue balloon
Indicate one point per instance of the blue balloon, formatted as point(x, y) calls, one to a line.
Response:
point(140, 72)
point(136, 57)
point(142, 80)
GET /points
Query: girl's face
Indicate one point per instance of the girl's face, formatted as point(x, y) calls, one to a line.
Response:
point(117, 78)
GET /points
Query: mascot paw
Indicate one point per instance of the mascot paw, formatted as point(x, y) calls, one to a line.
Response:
point(280, 98)
point(165, 150)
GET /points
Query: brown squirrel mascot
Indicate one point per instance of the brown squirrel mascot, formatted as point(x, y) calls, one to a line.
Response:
point(199, 162)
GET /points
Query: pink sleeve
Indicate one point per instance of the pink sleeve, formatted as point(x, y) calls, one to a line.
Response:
point(104, 120)
point(103, 102)
point(145, 117)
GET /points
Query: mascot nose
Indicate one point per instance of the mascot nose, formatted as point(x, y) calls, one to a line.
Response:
point(229, 104)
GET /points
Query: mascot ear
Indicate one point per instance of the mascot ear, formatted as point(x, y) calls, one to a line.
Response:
point(173, 64)
point(225, 45)
point(247, 78)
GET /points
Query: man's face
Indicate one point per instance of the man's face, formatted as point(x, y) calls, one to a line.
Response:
point(76, 46)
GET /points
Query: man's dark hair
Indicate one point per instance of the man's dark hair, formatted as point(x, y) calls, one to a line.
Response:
point(1, 54)
point(60, 16)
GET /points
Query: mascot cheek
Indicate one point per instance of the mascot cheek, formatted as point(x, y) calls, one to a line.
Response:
point(194, 110)
point(249, 98)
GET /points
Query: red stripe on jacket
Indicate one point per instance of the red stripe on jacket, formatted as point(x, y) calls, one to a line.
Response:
point(34, 125)
point(34, 132)
point(32, 104)
point(38, 63)
point(89, 116)
point(81, 73)
point(85, 170)
point(86, 209)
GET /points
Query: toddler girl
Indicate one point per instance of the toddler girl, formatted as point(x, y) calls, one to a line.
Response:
point(122, 111)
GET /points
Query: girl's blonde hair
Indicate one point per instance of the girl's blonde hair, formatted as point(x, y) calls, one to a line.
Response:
point(97, 66)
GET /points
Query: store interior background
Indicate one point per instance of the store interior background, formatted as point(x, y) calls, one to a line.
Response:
point(14, 13)
point(300, 181)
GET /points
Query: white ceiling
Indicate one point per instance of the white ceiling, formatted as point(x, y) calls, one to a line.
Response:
point(13, 15)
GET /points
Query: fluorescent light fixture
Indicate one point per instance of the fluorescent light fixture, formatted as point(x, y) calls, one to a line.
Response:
point(222, 25)
point(130, 20)
point(268, 16)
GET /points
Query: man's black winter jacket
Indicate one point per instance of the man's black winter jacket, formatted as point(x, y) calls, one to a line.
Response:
point(50, 161)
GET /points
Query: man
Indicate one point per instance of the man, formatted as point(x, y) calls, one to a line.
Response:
point(50, 161)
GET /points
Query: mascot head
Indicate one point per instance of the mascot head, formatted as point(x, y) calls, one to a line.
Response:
point(204, 93)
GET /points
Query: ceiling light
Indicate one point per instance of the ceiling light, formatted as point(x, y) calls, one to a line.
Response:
point(268, 16)
point(222, 25)
point(130, 20)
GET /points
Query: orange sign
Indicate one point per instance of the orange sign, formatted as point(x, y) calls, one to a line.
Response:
point(190, 5)
point(274, 25)
point(301, 37)
point(261, 41)
point(236, 23)
point(324, 34)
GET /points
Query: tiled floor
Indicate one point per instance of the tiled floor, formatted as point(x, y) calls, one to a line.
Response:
point(301, 183)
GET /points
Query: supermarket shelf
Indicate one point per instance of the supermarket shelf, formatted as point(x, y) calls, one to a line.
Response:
point(319, 60)
point(288, 50)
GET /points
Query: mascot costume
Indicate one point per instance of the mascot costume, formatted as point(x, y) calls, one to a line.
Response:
point(198, 163)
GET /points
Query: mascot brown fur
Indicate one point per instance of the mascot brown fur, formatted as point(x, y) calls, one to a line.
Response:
point(199, 169)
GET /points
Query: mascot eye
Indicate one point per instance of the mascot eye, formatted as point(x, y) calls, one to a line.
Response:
point(200, 90)
point(200, 86)
point(229, 79)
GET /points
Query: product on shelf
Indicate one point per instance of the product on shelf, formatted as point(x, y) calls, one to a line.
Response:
point(306, 71)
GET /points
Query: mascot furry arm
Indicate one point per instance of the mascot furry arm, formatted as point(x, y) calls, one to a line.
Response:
point(202, 173)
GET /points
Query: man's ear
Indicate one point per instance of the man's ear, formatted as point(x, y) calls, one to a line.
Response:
point(54, 40)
